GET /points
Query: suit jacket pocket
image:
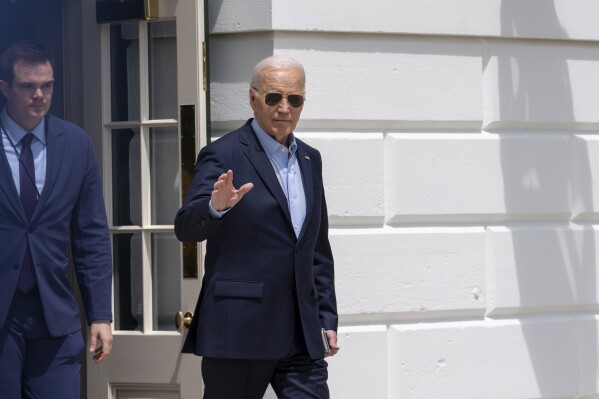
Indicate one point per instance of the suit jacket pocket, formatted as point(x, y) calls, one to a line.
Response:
point(239, 289)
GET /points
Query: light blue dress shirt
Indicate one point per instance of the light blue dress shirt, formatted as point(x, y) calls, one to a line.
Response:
point(12, 134)
point(286, 167)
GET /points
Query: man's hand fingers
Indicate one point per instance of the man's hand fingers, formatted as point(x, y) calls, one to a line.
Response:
point(225, 195)
point(332, 343)
point(244, 189)
point(100, 356)
point(92, 343)
point(228, 178)
point(100, 341)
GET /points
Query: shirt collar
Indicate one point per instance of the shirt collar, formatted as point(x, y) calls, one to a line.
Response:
point(16, 132)
point(270, 145)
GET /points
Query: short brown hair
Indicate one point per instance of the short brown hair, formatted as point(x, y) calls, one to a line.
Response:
point(26, 50)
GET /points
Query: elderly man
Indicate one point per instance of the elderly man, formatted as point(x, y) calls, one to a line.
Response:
point(267, 310)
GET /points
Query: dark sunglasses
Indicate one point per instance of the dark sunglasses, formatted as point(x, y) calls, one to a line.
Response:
point(273, 98)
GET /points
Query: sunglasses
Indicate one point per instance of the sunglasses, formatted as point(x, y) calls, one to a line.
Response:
point(273, 98)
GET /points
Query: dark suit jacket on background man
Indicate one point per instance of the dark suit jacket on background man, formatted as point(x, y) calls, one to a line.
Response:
point(70, 205)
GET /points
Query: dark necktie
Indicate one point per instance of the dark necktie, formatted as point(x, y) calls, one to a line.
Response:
point(29, 199)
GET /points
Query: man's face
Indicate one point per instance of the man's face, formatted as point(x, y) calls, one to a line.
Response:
point(29, 96)
point(279, 120)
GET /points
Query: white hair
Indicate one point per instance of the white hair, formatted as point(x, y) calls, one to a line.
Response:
point(273, 62)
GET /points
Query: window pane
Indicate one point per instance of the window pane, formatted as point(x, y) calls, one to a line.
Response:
point(124, 72)
point(164, 167)
point(166, 277)
point(128, 302)
point(126, 177)
point(163, 69)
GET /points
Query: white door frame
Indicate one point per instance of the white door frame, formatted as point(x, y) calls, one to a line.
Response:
point(146, 363)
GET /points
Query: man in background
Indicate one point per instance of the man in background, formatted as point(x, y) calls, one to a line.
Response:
point(267, 304)
point(50, 201)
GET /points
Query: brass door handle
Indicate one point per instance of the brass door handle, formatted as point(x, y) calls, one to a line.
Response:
point(183, 319)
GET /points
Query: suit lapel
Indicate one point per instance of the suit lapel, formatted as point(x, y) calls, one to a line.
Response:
point(7, 185)
point(305, 164)
point(54, 150)
point(258, 158)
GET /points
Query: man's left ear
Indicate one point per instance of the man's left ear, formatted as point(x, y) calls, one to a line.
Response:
point(252, 99)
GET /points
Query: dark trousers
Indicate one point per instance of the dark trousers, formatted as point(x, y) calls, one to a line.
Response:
point(296, 376)
point(34, 364)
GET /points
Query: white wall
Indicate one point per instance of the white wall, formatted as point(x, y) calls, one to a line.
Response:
point(460, 146)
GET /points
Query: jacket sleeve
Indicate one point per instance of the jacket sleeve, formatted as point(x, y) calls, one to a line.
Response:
point(90, 243)
point(324, 273)
point(193, 221)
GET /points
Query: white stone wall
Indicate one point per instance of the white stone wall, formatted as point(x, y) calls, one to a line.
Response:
point(460, 147)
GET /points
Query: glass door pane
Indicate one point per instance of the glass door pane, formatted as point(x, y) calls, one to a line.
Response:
point(128, 287)
point(164, 169)
point(166, 280)
point(126, 181)
point(124, 72)
point(162, 51)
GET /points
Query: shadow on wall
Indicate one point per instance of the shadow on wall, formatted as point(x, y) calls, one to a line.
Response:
point(555, 265)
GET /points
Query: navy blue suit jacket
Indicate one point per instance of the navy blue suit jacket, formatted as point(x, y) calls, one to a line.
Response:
point(255, 264)
point(70, 212)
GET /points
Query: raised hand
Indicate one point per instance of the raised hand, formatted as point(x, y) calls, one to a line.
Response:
point(225, 195)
